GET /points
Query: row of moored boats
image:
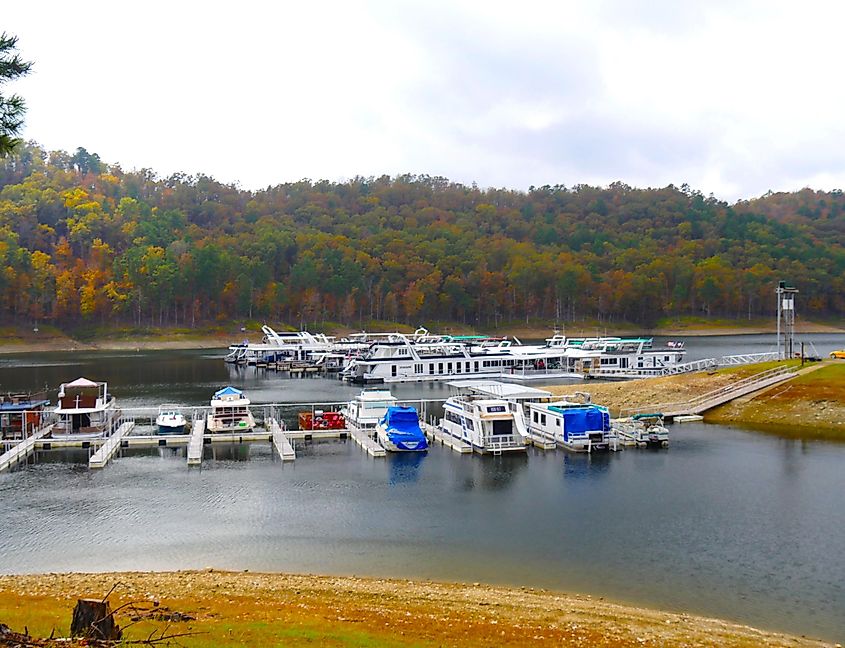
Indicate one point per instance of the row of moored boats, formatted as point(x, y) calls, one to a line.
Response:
point(490, 417)
point(422, 356)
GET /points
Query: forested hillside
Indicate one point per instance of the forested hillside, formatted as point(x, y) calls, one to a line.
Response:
point(83, 241)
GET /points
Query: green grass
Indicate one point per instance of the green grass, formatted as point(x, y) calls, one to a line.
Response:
point(832, 374)
point(263, 633)
point(751, 369)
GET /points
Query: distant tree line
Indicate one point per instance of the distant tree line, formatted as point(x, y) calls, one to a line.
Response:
point(85, 241)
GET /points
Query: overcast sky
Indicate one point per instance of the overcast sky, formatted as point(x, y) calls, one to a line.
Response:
point(732, 97)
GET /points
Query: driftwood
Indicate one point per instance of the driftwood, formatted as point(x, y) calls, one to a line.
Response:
point(93, 619)
point(93, 626)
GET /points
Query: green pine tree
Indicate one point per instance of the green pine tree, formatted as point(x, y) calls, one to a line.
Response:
point(12, 108)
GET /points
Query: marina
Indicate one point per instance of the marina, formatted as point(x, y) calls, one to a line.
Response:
point(741, 526)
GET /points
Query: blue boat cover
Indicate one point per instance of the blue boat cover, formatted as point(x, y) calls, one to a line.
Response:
point(590, 418)
point(402, 424)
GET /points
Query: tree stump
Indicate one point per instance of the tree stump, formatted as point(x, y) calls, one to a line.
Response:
point(92, 618)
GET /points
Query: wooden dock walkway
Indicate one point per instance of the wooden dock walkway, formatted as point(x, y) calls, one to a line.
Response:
point(195, 445)
point(280, 441)
point(435, 434)
point(20, 451)
point(373, 448)
point(100, 458)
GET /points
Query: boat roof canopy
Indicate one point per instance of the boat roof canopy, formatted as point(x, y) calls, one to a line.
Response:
point(498, 389)
point(228, 391)
point(82, 382)
point(23, 406)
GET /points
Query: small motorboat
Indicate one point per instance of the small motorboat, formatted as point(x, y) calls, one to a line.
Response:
point(170, 420)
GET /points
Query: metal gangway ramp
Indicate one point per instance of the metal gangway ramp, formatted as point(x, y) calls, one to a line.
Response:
point(709, 400)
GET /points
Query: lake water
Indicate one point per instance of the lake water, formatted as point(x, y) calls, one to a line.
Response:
point(725, 522)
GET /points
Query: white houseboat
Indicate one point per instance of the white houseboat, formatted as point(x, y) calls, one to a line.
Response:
point(230, 412)
point(623, 358)
point(490, 425)
point(573, 423)
point(296, 346)
point(422, 358)
point(432, 358)
point(365, 410)
point(86, 410)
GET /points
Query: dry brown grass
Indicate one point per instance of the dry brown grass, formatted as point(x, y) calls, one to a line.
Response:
point(277, 609)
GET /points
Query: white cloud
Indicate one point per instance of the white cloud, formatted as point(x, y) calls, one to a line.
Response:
point(734, 98)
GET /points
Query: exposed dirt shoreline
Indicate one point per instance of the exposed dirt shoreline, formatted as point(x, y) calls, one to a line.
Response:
point(25, 341)
point(238, 608)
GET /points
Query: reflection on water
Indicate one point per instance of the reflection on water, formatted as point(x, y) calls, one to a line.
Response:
point(724, 522)
point(405, 467)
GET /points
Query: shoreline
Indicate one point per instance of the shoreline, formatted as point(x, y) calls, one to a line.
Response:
point(30, 343)
point(233, 608)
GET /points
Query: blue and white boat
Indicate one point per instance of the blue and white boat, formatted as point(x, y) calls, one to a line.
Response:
point(579, 427)
point(399, 430)
point(170, 420)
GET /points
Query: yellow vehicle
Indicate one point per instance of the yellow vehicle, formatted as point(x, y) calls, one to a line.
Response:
point(838, 355)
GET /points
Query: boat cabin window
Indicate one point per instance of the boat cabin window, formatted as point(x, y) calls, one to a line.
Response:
point(502, 427)
point(376, 405)
point(536, 417)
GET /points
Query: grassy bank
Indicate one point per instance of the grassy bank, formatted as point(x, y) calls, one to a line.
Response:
point(809, 406)
point(236, 609)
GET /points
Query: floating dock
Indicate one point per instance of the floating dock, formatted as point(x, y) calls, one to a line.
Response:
point(100, 458)
point(435, 434)
point(20, 451)
point(196, 443)
point(541, 441)
point(373, 448)
point(281, 441)
point(689, 418)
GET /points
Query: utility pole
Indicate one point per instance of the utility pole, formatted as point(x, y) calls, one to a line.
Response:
point(786, 320)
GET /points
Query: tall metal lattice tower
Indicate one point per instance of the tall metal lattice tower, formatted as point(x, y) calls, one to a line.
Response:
point(786, 320)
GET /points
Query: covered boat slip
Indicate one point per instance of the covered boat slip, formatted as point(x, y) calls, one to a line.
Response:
point(21, 414)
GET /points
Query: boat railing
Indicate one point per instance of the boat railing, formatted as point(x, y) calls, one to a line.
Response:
point(503, 442)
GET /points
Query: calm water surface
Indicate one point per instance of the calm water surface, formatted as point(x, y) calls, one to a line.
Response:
point(725, 522)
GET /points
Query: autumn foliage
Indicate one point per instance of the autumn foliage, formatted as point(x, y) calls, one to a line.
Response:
point(84, 241)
